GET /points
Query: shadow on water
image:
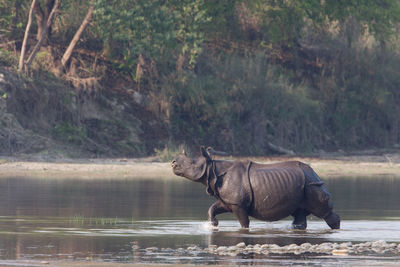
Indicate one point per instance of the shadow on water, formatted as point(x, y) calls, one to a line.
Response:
point(161, 220)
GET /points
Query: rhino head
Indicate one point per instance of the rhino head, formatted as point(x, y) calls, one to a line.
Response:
point(191, 168)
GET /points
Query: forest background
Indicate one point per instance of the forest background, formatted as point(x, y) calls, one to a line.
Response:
point(104, 78)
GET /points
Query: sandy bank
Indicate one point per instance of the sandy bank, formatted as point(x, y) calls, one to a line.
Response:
point(129, 169)
point(86, 170)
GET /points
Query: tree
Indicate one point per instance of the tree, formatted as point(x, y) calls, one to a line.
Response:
point(42, 16)
point(21, 64)
point(159, 29)
point(77, 35)
point(43, 35)
point(284, 21)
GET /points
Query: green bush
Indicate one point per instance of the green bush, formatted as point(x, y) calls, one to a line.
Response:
point(248, 104)
point(8, 59)
point(70, 133)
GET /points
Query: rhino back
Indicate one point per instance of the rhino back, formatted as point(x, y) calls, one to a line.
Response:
point(310, 176)
point(277, 191)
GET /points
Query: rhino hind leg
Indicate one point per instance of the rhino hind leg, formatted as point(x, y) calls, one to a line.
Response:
point(300, 219)
point(242, 216)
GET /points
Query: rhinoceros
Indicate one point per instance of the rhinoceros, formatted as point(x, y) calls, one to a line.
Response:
point(268, 192)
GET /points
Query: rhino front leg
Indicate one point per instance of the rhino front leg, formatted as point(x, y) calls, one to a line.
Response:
point(215, 209)
point(300, 219)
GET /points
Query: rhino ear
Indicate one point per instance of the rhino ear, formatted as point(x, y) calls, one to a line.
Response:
point(205, 153)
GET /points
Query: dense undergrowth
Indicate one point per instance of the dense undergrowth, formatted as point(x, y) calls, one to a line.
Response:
point(242, 103)
point(229, 82)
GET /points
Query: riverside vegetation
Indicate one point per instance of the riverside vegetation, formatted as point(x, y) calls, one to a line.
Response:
point(128, 78)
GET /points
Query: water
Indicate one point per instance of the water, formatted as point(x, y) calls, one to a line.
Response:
point(116, 220)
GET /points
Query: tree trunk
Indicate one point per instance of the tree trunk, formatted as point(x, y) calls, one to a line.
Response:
point(49, 7)
point(42, 18)
point(77, 36)
point(42, 36)
point(21, 64)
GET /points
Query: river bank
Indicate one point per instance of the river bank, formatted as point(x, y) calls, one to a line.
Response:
point(152, 168)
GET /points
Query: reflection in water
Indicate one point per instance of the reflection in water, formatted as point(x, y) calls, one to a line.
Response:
point(366, 198)
point(102, 198)
point(118, 219)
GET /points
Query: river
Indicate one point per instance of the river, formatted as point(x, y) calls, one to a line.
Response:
point(164, 221)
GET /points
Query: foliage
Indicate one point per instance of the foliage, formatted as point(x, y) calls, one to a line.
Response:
point(360, 98)
point(380, 18)
point(69, 21)
point(40, 62)
point(8, 59)
point(70, 133)
point(245, 107)
point(285, 21)
point(123, 137)
point(156, 28)
point(5, 19)
point(10, 16)
point(237, 75)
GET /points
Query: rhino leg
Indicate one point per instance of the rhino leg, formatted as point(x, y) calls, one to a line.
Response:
point(242, 215)
point(300, 219)
point(215, 209)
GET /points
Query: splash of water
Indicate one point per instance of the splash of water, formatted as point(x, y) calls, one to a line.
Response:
point(207, 226)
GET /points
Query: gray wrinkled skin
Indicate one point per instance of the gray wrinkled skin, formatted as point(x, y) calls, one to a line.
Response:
point(267, 192)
